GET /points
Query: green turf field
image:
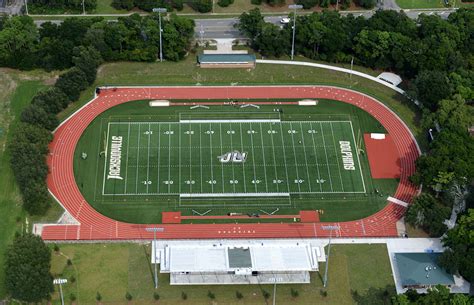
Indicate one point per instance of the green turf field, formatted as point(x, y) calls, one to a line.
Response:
point(230, 158)
point(145, 160)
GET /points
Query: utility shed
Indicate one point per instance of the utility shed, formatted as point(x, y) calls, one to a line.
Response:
point(227, 61)
point(421, 270)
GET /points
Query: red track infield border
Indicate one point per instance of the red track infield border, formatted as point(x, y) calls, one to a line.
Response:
point(95, 226)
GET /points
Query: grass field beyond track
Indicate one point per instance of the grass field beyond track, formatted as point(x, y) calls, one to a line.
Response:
point(114, 269)
point(144, 160)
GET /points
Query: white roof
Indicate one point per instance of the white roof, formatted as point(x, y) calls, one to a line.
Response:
point(215, 258)
point(391, 78)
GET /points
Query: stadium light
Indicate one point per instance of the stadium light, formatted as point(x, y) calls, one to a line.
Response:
point(295, 7)
point(160, 10)
point(60, 282)
point(154, 230)
point(330, 228)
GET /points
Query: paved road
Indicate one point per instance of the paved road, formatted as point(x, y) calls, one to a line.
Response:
point(224, 27)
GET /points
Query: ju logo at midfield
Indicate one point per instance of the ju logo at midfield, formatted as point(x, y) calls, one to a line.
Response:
point(234, 156)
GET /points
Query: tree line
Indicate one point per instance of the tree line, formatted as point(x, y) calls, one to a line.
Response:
point(132, 38)
point(436, 60)
point(79, 45)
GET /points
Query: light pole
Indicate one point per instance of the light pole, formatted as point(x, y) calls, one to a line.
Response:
point(159, 11)
point(60, 282)
point(154, 230)
point(330, 228)
point(26, 6)
point(295, 7)
point(83, 7)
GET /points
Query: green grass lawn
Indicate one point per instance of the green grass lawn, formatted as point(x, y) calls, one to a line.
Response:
point(146, 189)
point(411, 4)
point(114, 269)
point(187, 72)
point(16, 91)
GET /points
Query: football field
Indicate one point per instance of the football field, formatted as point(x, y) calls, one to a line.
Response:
point(230, 158)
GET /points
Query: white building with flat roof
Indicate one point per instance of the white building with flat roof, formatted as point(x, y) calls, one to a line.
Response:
point(237, 262)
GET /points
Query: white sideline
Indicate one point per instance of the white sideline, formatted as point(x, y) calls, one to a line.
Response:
point(232, 121)
point(234, 195)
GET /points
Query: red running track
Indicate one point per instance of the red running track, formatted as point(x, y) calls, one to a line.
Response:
point(95, 226)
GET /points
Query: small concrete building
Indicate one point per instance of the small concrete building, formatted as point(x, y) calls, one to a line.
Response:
point(227, 61)
point(421, 270)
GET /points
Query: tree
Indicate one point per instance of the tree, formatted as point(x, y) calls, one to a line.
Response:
point(307, 4)
point(87, 59)
point(427, 213)
point(432, 86)
point(251, 23)
point(27, 265)
point(202, 6)
point(460, 243)
point(72, 83)
point(35, 115)
point(52, 100)
point(272, 41)
point(18, 42)
point(453, 114)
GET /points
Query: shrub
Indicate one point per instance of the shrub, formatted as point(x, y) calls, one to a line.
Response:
point(256, 2)
point(98, 297)
point(239, 295)
point(72, 297)
point(184, 295)
point(72, 279)
point(266, 294)
point(224, 3)
point(56, 248)
point(307, 4)
point(156, 296)
point(294, 293)
point(323, 293)
point(69, 262)
point(211, 295)
point(128, 296)
point(202, 6)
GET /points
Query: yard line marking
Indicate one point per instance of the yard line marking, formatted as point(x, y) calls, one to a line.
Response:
point(212, 169)
point(358, 161)
point(190, 161)
point(335, 150)
point(148, 159)
point(305, 159)
point(138, 158)
point(284, 156)
point(169, 158)
point(105, 159)
point(159, 156)
point(243, 163)
point(296, 161)
point(274, 159)
point(316, 158)
point(97, 162)
point(263, 154)
point(232, 164)
point(200, 153)
point(326, 153)
point(222, 165)
point(253, 160)
point(179, 157)
point(126, 161)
